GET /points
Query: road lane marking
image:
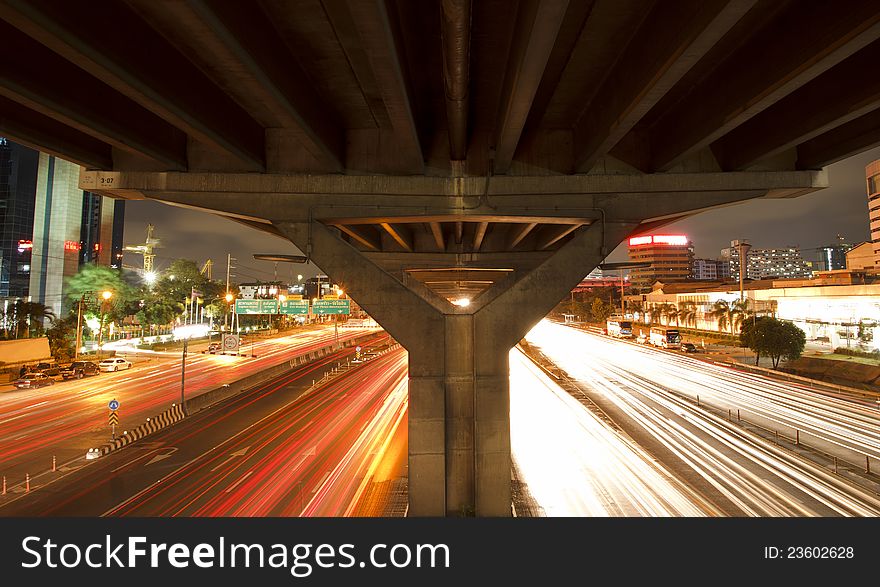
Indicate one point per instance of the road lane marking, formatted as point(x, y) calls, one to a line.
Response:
point(234, 485)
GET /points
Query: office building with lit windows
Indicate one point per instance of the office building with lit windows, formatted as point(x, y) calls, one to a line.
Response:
point(70, 228)
point(670, 256)
point(872, 176)
point(18, 178)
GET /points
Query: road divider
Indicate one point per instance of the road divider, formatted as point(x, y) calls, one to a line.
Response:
point(209, 398)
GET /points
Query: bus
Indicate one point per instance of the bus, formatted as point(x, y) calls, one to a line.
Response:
point(667, 338)
point(619, 328)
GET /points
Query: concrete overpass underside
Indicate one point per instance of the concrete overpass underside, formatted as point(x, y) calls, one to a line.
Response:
point(424, 153)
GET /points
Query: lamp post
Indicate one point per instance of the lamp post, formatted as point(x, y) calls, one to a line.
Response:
point(105, 295)
point(229, 297)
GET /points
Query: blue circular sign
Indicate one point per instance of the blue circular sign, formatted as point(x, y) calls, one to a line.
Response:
point(114, 404)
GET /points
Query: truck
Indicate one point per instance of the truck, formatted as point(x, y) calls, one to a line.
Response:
point(619, 328)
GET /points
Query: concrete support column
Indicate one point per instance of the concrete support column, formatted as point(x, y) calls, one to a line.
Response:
point(459, 401)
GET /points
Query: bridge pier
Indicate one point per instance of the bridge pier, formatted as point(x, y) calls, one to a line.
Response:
point(459, 404)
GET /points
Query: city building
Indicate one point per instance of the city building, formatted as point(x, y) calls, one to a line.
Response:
point(861, 256)
point(70, 228)
point(872, 177)
point(710, 270)
point(783, 263)
point(18, 182)
point(670, 257)
point(834, 308)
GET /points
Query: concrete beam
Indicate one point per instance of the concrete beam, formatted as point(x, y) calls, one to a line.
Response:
point(780, 58)
point(423, 191)
point(365, 235)
point(255, 66)
point(670, 42)
point(377, 30)
point(838, 96)
point(400, 233)
point(846, 140)
point(518, 233)
point(160, 79)
point(437, 233)
point(36, 130)
point(455, 35)
point(479, 234)
point(514, 312)
point(557, 235)
point(43, 84)
point(537, 24)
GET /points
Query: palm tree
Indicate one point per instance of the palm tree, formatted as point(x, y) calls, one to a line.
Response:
point(722, 311)
point(687, 313)
point(28, 316)
point(667, 310)
point(634, 306)
point(740, 312)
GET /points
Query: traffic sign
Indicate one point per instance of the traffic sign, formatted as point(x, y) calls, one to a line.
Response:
point(114, 405)
point(293, 306)
point(114, 418)
point(324, 307)
point(230, 342)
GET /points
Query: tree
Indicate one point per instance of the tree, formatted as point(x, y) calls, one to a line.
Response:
point(635, 306)
point(687, 313)
point(27, 317)
point(62, 338)
point(722, 312)
point(777, 339)
point(666, 310)
point(600, 311)
point(91, 280)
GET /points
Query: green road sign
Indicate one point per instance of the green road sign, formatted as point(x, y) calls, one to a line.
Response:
point(247, 306)
point(323, 307)
point(256, 306)
point(295, 307)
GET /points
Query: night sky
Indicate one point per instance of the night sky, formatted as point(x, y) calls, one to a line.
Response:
point(809, 221)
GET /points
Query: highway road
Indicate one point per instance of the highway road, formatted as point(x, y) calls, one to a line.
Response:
point(66, 419)
point(648, 393)
point(281, 449)
point(575, 465)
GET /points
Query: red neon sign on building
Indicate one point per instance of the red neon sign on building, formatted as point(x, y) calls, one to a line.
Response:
point(659, 239)
point(71, 246)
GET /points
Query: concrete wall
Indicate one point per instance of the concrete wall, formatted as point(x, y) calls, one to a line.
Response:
point(24, 350)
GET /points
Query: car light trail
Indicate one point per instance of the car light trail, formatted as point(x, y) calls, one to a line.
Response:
point(757, 478)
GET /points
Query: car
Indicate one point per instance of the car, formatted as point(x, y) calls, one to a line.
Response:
point(114, 364)
point(79, 369)
point(215, 347)
point(33, 380)
point(642, 338)
point(688, 347)
point(49, 369)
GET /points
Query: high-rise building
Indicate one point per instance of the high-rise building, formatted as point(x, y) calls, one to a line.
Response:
point(872, 176)
point(18, 178)
point(670, 256)
point(831, 258)
point(70, 228)
point(710, 270)
point(783, 263)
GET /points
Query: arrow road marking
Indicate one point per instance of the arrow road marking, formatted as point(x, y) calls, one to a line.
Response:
point(238, 453)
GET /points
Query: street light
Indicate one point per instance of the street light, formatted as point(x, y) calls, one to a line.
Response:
point(229, 297)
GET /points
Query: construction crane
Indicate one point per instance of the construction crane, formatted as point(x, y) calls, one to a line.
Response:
point(207, 268)
point(146, 250)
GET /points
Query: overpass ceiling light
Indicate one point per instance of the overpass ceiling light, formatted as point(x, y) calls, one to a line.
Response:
point(462, 302)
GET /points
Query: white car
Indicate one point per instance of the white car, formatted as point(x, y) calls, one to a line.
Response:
point(114, 364)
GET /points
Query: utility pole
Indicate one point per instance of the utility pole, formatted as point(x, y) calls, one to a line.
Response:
point(79, 321)
point(622, 307)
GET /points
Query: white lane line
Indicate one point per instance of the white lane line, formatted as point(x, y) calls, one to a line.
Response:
point(234, 485)
point(321, 482)
point(35, 405)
